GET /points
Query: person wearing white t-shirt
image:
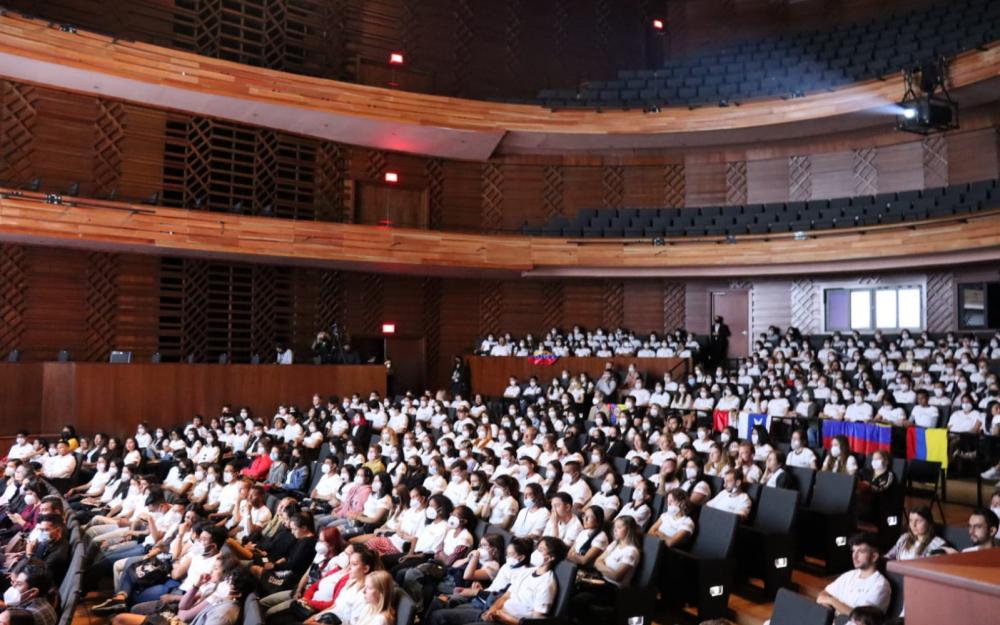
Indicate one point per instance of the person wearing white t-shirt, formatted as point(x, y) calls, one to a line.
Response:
point(574, 485)
point(591, 540)
point(534, 516)
point(60, 466)
point(533, 594)
point(21, 449)
point(674, 527)
point(862, 586)
point(923, 414)
point(967, 420)
point(799, 455)
point(732, 498)
point(859, 410)
point(562, 523)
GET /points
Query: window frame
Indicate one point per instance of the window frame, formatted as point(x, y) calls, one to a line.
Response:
point(873, 306)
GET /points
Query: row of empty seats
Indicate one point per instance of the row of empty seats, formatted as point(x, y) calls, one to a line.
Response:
point(746, 219)
point(795, 64)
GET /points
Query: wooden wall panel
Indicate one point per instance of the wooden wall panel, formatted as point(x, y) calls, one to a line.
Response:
point(832, 175)
point(523, 307)
point(584, 303)
point(979, 158)
point(770, 305)
point(900, 167)
point(705, 183)
point(55, 303)
point(459, 322)
point(584, 188)
point(645, 186)
point(643, 311)
point(767, 181)
point(524, 196)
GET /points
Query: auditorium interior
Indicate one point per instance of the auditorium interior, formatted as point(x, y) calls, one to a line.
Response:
point(547, 312)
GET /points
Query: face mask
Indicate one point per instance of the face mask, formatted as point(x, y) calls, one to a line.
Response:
point(755, 439)
point(12, 596)
point(702, 435)
point(431, 513)
point(433, 470)
point(835, 451)
point(359, 479)
point(638, 496)
point(877, 464)
point(529, 504)
point(30, 499)
point(796, 443)
point(324, 469)
point(938, 392)
point(966, 406)
point(691, 473)
point(198, 549)
point(725, 437)
point(228, 477)
point(484, 554)
point(537, 559)
point(453, 522)
point(210, 478)
point(673, 510)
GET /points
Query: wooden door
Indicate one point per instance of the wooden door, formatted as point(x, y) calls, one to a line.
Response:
point(734, 306)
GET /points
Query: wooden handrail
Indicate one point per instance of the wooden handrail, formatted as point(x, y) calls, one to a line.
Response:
point(34, 51)
point(116, 226)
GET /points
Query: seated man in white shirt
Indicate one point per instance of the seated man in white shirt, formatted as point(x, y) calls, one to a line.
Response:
point(60, 466)
point(863, 586)
point(923, 414)
point(732, 498)
point(513, 390)
point(501, 348)
point(563, 524)
point(21, 449)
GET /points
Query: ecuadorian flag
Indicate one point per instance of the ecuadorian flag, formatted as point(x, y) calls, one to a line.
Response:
point(927, 444)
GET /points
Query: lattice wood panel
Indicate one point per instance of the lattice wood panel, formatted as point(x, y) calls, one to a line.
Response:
point(613, 186)
point(373, 302)
point(736, 182)
point(552, 191)
point(805, 306)
point(512, 43)
point(614, 304)
point(330, 303)
point(434, 173)
point(492, 198)
point(800, 178)
point(553, 306)
point(941, 306)
point(13, 291)
point(18, 111)
point(331, 175)
point(102, 302)
point(431, 325)
point(462, 52)
point(865, 171)
point(109, 133)
point(673, 185)
point(935, 158)
point(673, 305)
point(490, 306)
point(265, 169)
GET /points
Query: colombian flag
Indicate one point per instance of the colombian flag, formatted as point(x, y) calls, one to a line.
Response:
point(865, 438)
point(927, 444)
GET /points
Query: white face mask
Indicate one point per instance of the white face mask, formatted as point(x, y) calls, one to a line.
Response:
point(725, 437)
point(796, 443)
point(431, 513)
point(228, 477)
point(691, 473)
point(755, 439)
point(324, 469)
point(322, 548)
point(673, 510)
point(966, 406)
point(877, 464)
point(637, 496)
point(484, 554)
point(12, 596)
point(606, 488)
point(537, 558)
point(453, 522)
point(835, 451)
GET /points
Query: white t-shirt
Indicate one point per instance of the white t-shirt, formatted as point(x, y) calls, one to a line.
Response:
point(580, 491)
point(738, 503)
point(925, 416)
point(859, 412)
point(566, 532)
point(600, 540)
point(609, 503)
point(530, 522)
point(641, 514)
point(853, 590)
point(961, 421)
point(618, 556)
point(531, 594)
point(802, 457)
point(670, 525)
point(502, 509)
point(430, 536)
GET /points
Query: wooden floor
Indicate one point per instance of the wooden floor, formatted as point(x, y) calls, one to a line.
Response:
point(744, 610)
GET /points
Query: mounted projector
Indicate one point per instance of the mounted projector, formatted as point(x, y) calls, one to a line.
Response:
point(932, 110)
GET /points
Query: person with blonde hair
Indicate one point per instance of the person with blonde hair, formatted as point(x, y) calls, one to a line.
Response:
point(379, 594)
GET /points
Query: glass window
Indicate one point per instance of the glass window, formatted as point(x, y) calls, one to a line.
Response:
point(972, 305)
point(909, 308)
point(861, 310)
point(885, 308)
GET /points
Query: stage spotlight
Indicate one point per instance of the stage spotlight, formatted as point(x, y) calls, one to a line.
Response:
point(932, 109)
point(909, 112)
point(396, 58)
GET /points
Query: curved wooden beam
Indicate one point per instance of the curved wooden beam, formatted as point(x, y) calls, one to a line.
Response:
point(34, 51)
point(115, 226)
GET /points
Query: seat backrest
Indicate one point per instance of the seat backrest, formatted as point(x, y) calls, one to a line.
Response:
point(833, 493)
point(804, 478)
point(923, 472)
point(776, 510)
point(565, 581)
point(791, 608)
point(716, 531)
point(251, 611)
point(649, 566)
point(896, 594)
point(957, 536)
point(501, 532)
point(406, 609)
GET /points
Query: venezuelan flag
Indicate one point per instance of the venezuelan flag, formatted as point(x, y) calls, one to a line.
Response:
point(864, 438)
point(927, 444)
